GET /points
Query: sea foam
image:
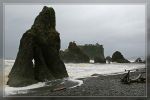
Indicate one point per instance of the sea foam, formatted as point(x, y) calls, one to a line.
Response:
point(75, 71)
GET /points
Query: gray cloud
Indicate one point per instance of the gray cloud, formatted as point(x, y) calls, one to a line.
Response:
point(117, 27)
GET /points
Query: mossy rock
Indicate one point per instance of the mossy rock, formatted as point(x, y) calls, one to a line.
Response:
point(41, 43)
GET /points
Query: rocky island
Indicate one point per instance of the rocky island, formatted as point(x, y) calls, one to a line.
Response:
point(74, 54)
point(41, 43)
point(119, 58)
point(95, 52)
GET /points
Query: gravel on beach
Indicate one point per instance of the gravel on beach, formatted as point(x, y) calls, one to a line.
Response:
point(97, 85)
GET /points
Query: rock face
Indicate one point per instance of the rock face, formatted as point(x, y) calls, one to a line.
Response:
point(41, 43)
point(74, 54)
point(95, 52)
point(118, 57)
point(108, 59)
point(138, 60)
point(99, 59)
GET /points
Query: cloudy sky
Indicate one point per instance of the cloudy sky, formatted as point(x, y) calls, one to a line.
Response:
point(116, 27)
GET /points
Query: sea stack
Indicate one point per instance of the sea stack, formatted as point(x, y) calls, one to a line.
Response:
point(74, 54)
point(119, 58)
point(108, 59)
point(41, 43)
point(94, 51)
point(138, 60)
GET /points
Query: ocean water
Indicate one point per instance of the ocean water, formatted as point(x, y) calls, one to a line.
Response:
point(82, 70)
point(75, 71)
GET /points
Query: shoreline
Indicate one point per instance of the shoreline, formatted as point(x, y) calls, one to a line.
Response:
point(96, 85)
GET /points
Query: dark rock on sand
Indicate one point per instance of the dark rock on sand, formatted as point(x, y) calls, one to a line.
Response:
point(95, 52)
point(74, 54)
point(118, 57)
point(41, 43)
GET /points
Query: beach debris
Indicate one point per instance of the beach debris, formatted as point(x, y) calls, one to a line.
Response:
point(95, 75)
point(41, 43)
point(59, 88)
point(139, 79)
point(127, 80)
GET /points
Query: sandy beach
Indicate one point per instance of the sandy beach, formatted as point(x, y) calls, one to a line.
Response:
point(96, 85)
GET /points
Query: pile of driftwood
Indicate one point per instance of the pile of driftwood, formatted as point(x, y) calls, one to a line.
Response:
point(139, 79)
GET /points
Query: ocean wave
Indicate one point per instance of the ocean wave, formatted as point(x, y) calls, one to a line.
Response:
point(68, 83)
point(75, 71)
point(21, 90)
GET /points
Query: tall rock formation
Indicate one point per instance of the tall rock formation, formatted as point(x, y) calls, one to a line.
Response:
point(41, 43)
point(118, 57)
point(74, 54)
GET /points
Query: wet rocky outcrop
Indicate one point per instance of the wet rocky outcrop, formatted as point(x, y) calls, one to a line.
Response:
point(108, 59)
point(119, 58)
point(74, 54)
point(138, 60)
point(95, 52)
point(41, 43)
point(99, 59)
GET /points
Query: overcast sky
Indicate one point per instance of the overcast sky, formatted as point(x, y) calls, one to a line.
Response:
point(116, 27)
